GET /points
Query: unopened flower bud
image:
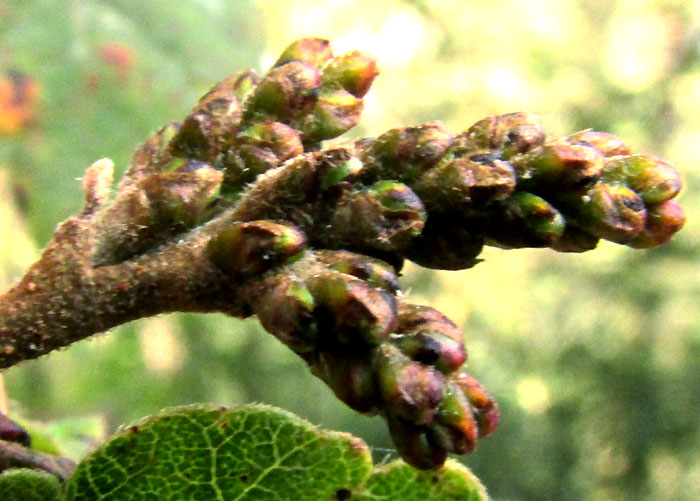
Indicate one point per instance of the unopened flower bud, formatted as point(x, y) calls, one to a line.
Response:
point(181, 198)
point(653, 179)
point(414, 446)
point(354, 72)
point(405, 153)
point(286, 311)
point(485, 409)
point(409, 389)
point(374, 272)
point(357, 314)
point(527, 221)
point(608, 144)
point(383, 217)
point(343, 171)
point(558, 166)
point(207, 126)
point(336, 111)
point(663, 221)
point(429, 337)
point(511, 133)
point(285, 92)
point(279, 138)
point(455, 429)
point(313, 51)
point(245, 81)
point(446, 244)
point(351, 378)
point(575, 240)
point(468, 181)
point(248, 249)
point(614, 212)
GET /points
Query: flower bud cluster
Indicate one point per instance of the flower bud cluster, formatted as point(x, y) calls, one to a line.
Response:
point(503, 183)
point(249, 124)
point(339, 312)
point(315, 236)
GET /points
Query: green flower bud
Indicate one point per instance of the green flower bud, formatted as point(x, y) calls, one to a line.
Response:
point(286, 311)
point(429, 337)
point(405, 153)
point(245, 81)
point(512, 133)
point(343, 171)
point(446, 244)
point(558, 167)
point(575, 240)
point(248, 249)
point(466, 182)
point(279, 138)
point(527, 221)
point(335, 112)
point(663, 221)
point(354, 72)
point(350, 377)
point(608, 144)
point(414, 445)
point(181, 198)
point(432, 348)
point(374, 272)
point(313, 51)
point(485, 409)
point(285, 92)
point(615, 213)
point(357, 314)
point(257, 149)
point(409, 389)
point(653, 179)
point(455, 429)
point(384, 217)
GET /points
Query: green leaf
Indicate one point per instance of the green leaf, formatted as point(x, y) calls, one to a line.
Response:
point(397, 480)
point(28, 485)
point(253, 452)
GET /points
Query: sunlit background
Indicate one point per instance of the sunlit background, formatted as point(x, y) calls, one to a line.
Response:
point(594, 358)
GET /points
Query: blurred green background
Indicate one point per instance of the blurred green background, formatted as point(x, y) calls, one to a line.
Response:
point(594, 358)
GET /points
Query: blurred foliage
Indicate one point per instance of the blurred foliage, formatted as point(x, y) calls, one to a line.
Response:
point(594, 358)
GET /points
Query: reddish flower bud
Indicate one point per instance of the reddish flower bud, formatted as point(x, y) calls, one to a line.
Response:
point(351, 378)
point(653, 179)
point(485, 409)
point(313, 51)
point(354, 72)
point(285, 92)
point(558, 166)
point(335, 112)
point(414, 445)
point(248, 249)
point(511, 133)
point(409, 389)
point(352, 311)
point(615, 213)
point(663, 221)
point(608, 144)
point(405, 153)
point(465, 180)
point(286, 311)
point(526, 221)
